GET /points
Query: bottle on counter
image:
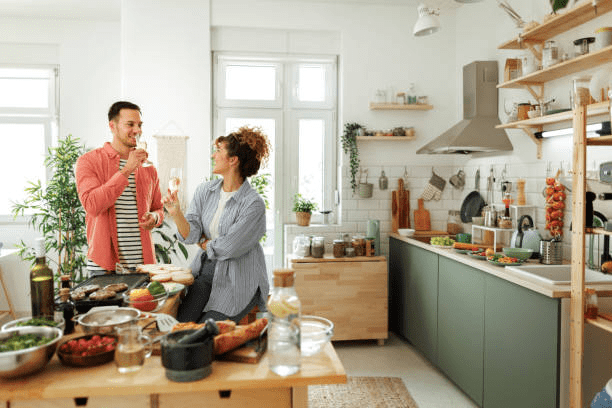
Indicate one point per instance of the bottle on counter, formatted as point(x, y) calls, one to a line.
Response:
point(590, 308)
point(284, 355)
point(65, 308)
point(65, 282)
point(41, 284)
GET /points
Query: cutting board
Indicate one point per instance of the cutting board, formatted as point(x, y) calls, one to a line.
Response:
point(400, 207)
point(422, 220)
point(425, 236)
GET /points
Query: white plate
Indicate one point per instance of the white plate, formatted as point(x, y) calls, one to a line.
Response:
point(441, 246)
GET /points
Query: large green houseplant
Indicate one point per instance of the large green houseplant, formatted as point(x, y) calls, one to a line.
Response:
point(349, 146)
point(56, 212)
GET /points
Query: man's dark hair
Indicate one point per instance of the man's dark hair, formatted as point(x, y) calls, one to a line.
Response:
point(116, 107)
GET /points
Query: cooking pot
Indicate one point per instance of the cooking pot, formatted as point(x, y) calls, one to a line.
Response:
point(526, 236)
point(105, 319)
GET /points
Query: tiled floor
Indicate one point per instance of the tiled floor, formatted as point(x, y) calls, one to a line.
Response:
point(397, 358)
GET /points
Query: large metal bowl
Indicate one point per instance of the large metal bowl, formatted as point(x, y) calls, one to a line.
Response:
point(104, 320)
point(16, 323)
point(27, 361)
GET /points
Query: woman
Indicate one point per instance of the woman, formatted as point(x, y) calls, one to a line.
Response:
point(227, 219)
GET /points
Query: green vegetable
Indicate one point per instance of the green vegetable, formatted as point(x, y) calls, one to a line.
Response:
point(23, 341)
point(444, 241)
point(38, 321)
point(156, 288)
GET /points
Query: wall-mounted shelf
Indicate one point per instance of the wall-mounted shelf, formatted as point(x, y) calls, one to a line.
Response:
point(597, 231)
point(387, 138)
point(562, 69)
point(399, 106)
point(577, 15)
point(594, 109)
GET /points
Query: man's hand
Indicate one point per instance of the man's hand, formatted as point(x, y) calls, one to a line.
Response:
point(171, 203)
point(148, 221)
point(135, 160)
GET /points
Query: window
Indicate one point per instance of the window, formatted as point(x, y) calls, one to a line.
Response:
point(27, 124)
point(293, 99)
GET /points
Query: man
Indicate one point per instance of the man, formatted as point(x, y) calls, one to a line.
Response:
point(122, 198)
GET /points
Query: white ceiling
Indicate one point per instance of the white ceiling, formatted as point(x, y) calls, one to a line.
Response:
point(109, 10)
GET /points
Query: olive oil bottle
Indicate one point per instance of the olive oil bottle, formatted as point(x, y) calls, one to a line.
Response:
point(41, 284)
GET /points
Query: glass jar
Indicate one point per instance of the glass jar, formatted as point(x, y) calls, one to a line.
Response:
point(550, 54)
point(349, 252)
point(317, 248)
point(358, 243)
point(590, 303)
point(453, 223)
point(582, 95)
point(301, 245)
point(338, 248)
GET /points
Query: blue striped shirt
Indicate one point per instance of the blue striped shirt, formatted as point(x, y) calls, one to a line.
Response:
point(241, 265)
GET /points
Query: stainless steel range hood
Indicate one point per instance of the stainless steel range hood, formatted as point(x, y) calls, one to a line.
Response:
point(476, 132)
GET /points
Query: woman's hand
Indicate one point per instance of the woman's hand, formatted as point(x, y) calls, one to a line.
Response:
point(203, 242)
point(171, 203)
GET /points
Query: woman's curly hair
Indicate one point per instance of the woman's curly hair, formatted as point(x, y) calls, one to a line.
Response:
point(250, 145)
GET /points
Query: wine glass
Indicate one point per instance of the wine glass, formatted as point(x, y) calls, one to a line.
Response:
point(176, 174)
point(141, 143)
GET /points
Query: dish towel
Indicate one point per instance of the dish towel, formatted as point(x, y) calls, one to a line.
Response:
point(434, 188)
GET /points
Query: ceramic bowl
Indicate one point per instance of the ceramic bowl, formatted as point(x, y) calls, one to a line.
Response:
point(406, 232)
point(61, 324)
point(315, 333)
point(521, 254)
point(78, 360)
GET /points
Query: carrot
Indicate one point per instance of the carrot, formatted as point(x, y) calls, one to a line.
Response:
point(240, 335)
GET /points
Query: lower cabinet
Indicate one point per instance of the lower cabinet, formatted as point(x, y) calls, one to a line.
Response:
point(461, 326)
point(499, 342)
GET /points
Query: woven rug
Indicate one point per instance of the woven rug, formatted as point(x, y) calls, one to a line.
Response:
point(362, 392)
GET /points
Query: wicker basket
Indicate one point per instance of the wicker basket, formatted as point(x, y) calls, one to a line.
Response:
point(303, 218)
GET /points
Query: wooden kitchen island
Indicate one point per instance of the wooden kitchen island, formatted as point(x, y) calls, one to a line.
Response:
point(230, 385)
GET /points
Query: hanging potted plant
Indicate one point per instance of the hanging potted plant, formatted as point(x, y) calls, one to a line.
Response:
point(349, 145)
point(303, 209)
point(56, 212)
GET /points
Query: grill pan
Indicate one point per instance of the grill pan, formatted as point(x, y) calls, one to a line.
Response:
point(133, 280)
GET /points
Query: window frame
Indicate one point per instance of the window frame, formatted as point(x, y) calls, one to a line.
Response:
point(49, 118)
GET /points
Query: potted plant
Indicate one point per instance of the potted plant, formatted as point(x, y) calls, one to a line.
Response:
point(55, 211)
point(349, 145)
point(303, 209)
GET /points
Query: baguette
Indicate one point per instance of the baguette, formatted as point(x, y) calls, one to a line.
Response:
point(240, 335)
point(463, 245)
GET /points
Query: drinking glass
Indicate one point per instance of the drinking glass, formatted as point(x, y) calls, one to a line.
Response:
point(176, 175)
point(141, 143)
point(132, 349)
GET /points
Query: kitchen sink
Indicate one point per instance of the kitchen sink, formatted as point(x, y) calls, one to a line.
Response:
point(557, 274)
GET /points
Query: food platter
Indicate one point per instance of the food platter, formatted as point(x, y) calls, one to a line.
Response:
point(172, 288)
point(481, 257)
point(504, 263)
point(441, 246)
point(78, 360)
point(463, 251)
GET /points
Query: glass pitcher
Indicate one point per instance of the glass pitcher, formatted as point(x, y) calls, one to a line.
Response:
point(133, 348)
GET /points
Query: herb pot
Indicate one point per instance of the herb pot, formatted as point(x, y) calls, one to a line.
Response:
point(303, 218)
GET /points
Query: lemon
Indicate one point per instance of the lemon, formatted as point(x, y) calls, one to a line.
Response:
point(283, 307)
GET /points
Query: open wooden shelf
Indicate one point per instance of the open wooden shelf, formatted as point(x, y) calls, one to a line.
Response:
point(562, 69)
point(594, 109)
point(387, 138)
point(597, 231)
point(599, 141)
point(579, 14)
point(602, 323)
point(399, 106)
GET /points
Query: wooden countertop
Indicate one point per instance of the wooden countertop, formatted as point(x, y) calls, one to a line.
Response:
point(59, 381)
point(330, 258)
point(553, 291)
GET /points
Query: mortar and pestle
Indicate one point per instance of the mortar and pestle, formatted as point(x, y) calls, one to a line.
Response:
point(187, 355)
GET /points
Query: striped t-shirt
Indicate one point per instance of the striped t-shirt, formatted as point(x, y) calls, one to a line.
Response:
point(128, 231)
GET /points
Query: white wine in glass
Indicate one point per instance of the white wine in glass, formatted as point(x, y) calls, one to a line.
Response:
point(176, 174)
point(141, 143)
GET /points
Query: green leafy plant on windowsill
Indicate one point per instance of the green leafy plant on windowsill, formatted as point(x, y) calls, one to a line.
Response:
point(301, 204)
point(56, 212)
point(349, 146)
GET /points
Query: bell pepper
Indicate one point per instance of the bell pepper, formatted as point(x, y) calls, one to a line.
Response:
point(156, 288)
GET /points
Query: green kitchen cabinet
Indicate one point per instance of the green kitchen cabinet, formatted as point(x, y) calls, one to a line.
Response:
point(461, 325)
point(521, 353)
point(413, 296)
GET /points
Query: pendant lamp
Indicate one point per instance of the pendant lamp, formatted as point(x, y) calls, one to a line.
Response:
point(427, 23)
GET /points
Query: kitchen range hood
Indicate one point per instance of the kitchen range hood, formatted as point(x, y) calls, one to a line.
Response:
point(476, 132)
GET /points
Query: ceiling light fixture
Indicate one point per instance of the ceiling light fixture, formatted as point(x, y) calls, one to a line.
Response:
point(428, 22)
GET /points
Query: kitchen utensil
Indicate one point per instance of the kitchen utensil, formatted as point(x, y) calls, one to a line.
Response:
point(490, 216)
point(473, 203)
point(27, 361)
point(581, 45)
point(603, 37)
point(434, 188)
point(550, 54)
point(186, 362)
point(526, 236)
point(164, 322)
point(490, 185)
point(522, 254)
point(422, 221)
point(133, 280)
point(383, 181)
point(458, 180)
point(133, 348)
point(365, 189)
point(406, 232)
point(551, 252)
point(210, 329)
point(315, 333)
point(400, 207)
point(105, 319)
